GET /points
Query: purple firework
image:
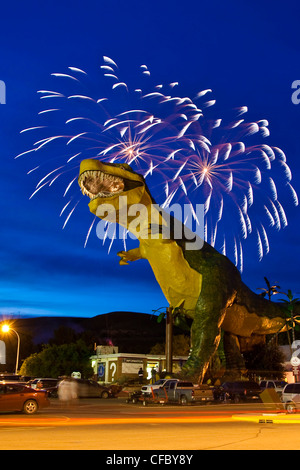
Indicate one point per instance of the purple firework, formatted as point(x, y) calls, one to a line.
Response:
point(195, 158)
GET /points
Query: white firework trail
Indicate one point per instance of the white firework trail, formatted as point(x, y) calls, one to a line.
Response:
point(199, 159)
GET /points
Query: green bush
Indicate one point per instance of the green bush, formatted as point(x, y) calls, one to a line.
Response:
point(57, 360)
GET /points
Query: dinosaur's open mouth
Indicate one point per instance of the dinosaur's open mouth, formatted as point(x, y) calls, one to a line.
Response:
point(96, 183)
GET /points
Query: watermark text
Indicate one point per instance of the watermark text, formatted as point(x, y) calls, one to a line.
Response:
point(296, 94)
point(2, 92)
point(177, 222)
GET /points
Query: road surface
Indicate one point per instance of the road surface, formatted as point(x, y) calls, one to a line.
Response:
point(97, 424)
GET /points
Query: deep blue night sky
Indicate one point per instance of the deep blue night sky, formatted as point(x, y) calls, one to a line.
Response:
point(248, 53)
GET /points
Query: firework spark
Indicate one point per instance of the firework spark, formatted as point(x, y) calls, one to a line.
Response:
point(199, 159)
point(235, 180)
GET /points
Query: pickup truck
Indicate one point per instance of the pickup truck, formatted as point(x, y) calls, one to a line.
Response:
point(177, 391)
point(147, 389)
point(278, 385)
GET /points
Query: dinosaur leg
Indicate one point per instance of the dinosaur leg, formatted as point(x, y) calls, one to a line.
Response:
point(206, 328)
point(235, 363)
point(205, 338)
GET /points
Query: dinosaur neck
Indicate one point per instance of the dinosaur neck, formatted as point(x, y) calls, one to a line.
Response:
point(145, 220)
point(154, 229)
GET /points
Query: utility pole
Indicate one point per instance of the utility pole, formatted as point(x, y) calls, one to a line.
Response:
point(169, 340)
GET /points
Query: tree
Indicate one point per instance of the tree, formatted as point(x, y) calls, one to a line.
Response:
point(270, 290)
point(265, 359)
point(57, 360)
point(63, 335)
point(291, 319)
point(181, 346)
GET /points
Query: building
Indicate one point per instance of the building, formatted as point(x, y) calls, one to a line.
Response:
point(2, 353)
point(109, 365)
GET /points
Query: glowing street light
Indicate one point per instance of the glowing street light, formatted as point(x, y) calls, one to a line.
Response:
point(5, 329)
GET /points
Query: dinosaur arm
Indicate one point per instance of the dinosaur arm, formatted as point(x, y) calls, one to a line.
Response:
point(131, 255)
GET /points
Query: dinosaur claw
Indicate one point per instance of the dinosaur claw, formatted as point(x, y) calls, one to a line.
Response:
point(122, 255)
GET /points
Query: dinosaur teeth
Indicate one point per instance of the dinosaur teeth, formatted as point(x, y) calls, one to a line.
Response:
point(95, 183)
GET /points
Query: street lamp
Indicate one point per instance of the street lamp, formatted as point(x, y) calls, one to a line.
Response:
point(6, 328)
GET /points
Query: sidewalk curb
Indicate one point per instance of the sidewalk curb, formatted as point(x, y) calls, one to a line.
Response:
point(269, 418)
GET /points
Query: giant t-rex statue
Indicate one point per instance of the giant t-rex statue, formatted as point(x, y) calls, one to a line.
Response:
point(205, 283)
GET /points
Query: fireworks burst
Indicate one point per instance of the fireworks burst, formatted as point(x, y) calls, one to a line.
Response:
point(198, 159)
point(236, 181)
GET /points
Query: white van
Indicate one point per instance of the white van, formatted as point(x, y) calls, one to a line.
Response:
point(290, 397)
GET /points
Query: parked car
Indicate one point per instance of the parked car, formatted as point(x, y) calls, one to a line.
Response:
point(290, 397)
point(48, 384)
point(240, 390)
point(26, 378)
point(16, 396)
point(278, 385)
point(10, 377)
point(91, 389)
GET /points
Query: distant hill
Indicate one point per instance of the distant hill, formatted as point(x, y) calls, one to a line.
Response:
point(130, 331)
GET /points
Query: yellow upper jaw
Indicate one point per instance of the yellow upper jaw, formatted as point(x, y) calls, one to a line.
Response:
point(114, 170)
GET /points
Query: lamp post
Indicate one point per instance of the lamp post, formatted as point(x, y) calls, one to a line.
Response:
point(6, 329)
point(169, 336)
point(169, 341)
